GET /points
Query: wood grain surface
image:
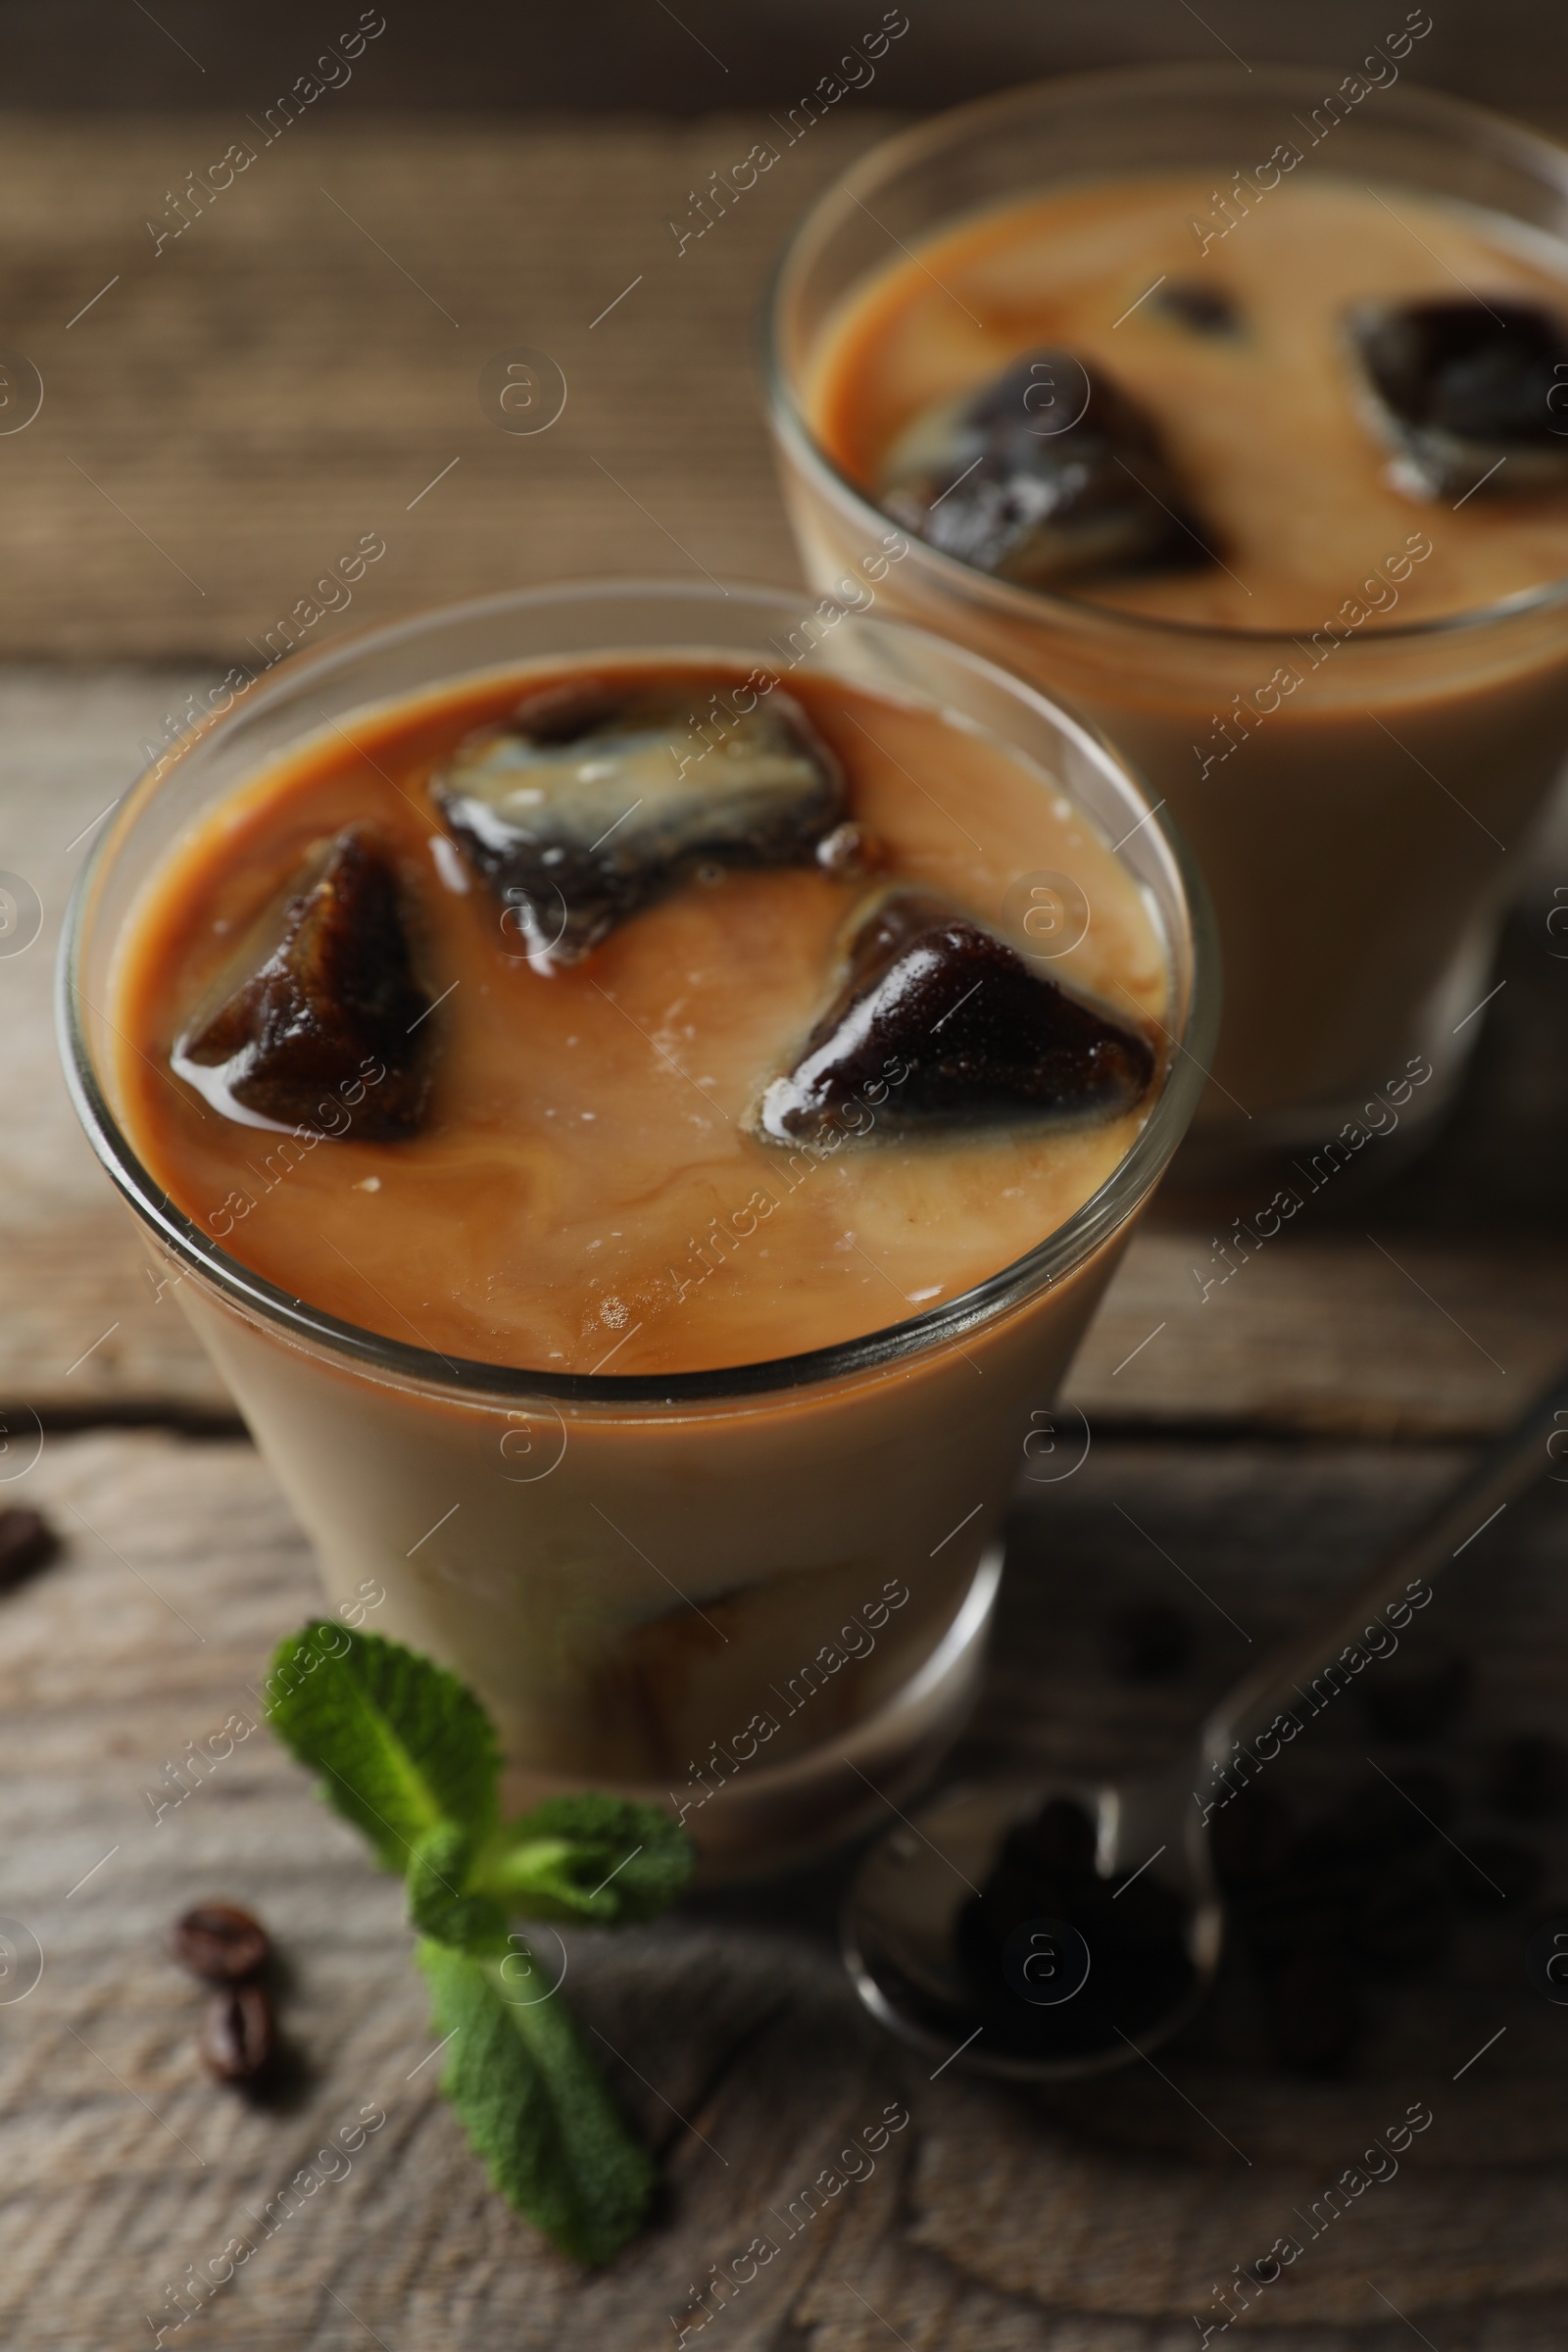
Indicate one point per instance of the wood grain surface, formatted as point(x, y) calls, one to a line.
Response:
point(1094, 2221)
point(298, 367)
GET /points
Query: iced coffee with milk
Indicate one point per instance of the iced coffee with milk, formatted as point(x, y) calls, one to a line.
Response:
point(616, 1063)
point(1265, 468)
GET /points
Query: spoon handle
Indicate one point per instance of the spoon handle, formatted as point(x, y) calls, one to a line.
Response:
point(1510, 1465)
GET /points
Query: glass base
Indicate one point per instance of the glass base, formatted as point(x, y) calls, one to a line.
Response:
point(769, 1818)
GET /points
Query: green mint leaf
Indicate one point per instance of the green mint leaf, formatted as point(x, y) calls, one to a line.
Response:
point(593, 1858)
point(399, 1744)
point(534, 2105)
point(440, 1902)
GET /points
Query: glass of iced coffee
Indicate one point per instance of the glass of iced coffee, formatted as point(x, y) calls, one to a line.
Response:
point(640, 1090)
point(1233, 411)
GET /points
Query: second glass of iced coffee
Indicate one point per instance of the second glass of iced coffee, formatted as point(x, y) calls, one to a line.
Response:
point(1233, 411)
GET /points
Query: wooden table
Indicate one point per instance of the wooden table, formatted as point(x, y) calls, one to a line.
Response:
point(224, 417)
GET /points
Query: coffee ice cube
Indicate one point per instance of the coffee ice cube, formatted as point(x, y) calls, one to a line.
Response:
point(593, 802)
point(327, 1029)
point(1046, 475)
point(1469, 395)
point(941, 1023)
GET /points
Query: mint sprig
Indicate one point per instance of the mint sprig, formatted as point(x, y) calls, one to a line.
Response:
point(535, 2106)
point(399, 1742)
point(406, 1752)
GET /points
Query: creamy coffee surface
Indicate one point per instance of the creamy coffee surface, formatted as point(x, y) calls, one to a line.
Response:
point(576, 1176)
point(1237, 351)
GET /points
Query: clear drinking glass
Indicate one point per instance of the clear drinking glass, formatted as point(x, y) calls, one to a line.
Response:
point(1358, 909)
point(638, 1561)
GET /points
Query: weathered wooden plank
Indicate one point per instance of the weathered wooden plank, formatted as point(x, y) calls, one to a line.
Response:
point(298, 366)
point(1097, 2219)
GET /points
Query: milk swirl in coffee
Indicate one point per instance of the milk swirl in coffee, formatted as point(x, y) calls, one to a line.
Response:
point(599, 1040)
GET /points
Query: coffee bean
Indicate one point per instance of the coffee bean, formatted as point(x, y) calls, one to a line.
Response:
point(27, 1542)
point(1314, 2012)
point(238, 2036)
point(1145, 1643)
point(1527, 1776)
point(1249, 1840)
point(1494, 1874)
point(1406, 1917)
point(220, 1943)
point(1060, 1839)
point(1417, 1697)
point(1398, 1812)
point(1304, 1910)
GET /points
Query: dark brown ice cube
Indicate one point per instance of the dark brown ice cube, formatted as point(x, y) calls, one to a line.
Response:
point(597, 798)
point(1470, 395)
point(330, 1026)
point(1047, 475)
point(941, 1023)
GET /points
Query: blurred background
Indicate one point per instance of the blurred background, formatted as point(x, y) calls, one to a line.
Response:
point(69, 54)
point(242, 380)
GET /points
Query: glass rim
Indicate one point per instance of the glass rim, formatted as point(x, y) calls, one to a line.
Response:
point(1070, 1244)
point(1516, 142)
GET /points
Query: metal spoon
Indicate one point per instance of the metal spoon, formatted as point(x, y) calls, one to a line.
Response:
point(901, 1913)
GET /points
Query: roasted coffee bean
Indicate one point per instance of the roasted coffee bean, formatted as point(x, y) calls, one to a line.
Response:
point(221, 1944)
point(1132, 1924)
point(1415, 1698)
point(1494, 1874)
point(1150, 1640)
point(1301, 1911)
point(1251, 1840)
point(1060, 1839)
point(1314, 2012)
point(1398, 1812)
point(239, 2034)
point(1528, 1775)
point(1406, 1917)
point(27, 1542)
